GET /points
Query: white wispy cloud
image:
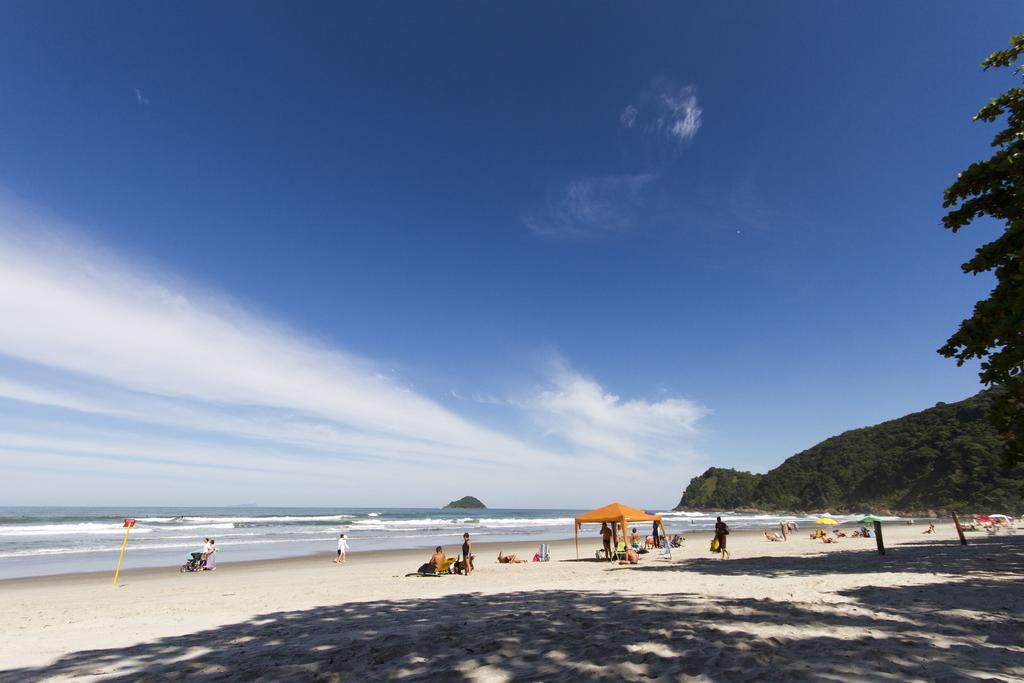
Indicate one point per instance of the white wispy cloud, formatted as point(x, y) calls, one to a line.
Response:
point(584, 415)
point(592, 207)
point(658, 122)
point(109, 370)
point(669, 111)
point(140, 98)
point(628, 117)
point(122, 343)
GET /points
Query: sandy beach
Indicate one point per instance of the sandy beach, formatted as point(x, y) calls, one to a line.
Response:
point(929, 609)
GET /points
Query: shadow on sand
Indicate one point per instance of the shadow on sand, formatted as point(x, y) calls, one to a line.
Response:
point(999, 554)
point(582, 635)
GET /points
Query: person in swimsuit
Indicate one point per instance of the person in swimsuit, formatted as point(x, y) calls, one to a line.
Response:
point(509, 559)
point(467, 554)
point(721, 533)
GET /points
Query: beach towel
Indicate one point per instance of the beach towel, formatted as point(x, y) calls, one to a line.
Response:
point(714, 544)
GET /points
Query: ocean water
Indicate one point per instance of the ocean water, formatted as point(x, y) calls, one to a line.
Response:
point(52, 540)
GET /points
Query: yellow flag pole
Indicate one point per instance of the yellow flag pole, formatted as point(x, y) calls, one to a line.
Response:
point(128, 524)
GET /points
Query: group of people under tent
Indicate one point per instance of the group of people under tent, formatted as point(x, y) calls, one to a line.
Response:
point(615, 546)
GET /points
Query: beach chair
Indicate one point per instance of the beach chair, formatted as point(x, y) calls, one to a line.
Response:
point(620, 551)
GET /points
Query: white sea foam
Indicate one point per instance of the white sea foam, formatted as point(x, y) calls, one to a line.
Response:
point(283, 519)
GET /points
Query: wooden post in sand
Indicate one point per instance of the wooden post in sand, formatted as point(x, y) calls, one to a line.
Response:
point(878, 538)
point(959, 530)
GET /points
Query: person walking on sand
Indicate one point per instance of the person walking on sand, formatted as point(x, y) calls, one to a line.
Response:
point(342, 549)
point(606, 540)
point(467, 554)
point(721, 532)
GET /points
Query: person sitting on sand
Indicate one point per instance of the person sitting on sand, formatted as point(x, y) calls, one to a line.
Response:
point(930, 529)
point(632, 556)
point(437, 560)
point(839, 533)
point(825, 538)
point(773, 536)
point(509, 559)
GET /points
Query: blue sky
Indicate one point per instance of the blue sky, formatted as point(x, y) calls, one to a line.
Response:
point(546, 255)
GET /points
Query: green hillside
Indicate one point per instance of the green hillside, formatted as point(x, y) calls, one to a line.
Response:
point(945, 458)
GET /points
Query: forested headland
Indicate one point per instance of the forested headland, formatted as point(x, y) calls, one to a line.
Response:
point(946, 458)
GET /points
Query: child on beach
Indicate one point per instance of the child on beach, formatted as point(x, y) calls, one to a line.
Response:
point(342, 550)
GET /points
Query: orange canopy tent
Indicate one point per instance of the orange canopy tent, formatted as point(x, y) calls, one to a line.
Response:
point(616, 513)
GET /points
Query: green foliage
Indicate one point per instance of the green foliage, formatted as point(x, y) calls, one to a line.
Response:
point(994, 334)
point(721, 489)
point(945, 458)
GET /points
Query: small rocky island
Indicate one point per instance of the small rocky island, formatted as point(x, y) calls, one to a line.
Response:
point(466, 502)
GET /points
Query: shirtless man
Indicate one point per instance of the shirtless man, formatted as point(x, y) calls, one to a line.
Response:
point(438, 558)
point(606, 540)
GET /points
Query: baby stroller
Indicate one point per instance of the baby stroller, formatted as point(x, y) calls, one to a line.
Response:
point(194, 563)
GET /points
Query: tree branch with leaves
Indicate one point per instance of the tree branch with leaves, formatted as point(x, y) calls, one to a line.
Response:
point(994, 334)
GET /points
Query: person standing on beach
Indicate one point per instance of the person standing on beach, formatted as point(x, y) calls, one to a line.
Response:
point(342, 549)
point(655, 535)
point(606, 540)
point(721, 532)
point(467, 554)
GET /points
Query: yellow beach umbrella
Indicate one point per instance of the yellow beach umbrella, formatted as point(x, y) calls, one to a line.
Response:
point(826, 520)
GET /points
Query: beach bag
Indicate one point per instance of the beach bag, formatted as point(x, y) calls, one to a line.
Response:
point(714, 544)
point(426, 569)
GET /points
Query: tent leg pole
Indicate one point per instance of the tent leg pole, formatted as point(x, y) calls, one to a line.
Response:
point(577, 541)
